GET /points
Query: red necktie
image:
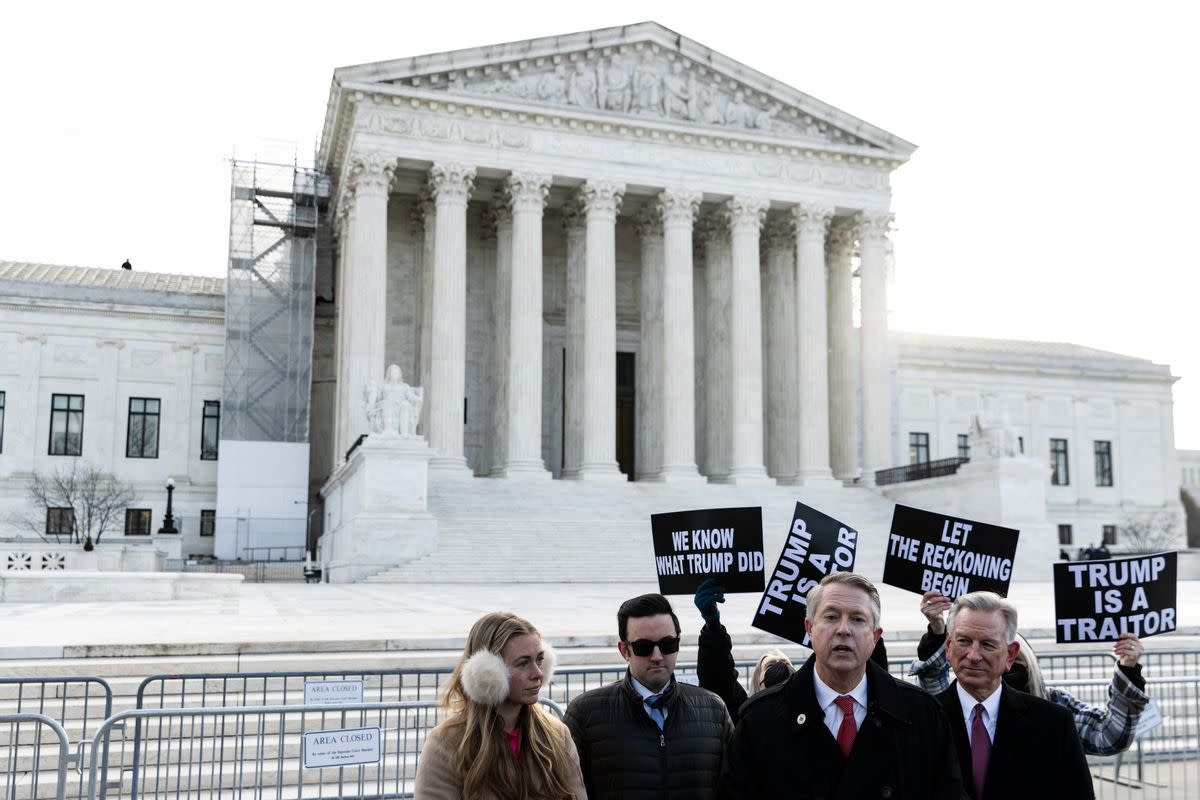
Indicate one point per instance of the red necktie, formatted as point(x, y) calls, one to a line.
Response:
point(981, 750)
point(848, 729)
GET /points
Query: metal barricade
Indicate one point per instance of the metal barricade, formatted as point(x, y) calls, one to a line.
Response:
point(1163, 763)
point(364, 750)
point(205, 689)
point(78, 704)
point(34, 753)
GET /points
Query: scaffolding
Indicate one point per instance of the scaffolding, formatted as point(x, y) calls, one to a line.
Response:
point(275, 236)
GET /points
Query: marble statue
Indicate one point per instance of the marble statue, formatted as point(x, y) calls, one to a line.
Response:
point(997, 440)
point(393, 407)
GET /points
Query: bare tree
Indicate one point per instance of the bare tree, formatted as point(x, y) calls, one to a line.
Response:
point(1192, 510)
point(87, 503)
point(1150, 531)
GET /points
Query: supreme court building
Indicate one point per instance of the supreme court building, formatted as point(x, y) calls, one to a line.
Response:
point(612, 252)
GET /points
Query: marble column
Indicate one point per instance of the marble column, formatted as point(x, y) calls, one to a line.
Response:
point(676, 363)
point(365, 302)
point(746, 216)
point(650, 416)
point(341, 395)
point(600, 201)
point(451, 185)
point(427, 209)
point(812, 345)
point(782, 433)
point(718, 366)
point(527, 194)
point(576, 233)
point(500, 338)
point(843, 379)
point(875, 359)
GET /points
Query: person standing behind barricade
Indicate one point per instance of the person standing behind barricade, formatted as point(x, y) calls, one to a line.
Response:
point(842, 727)
point(647, 736)
point(1103, 730)
point(1010, 744)
point(499, 744)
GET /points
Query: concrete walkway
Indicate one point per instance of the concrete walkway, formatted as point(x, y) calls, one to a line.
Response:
point(363, 617)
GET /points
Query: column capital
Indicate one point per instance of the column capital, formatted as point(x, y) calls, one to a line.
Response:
point(872, 225)
point(488, 224)
point(649, 221)
point(451, 182)
point(527, 191)
point(840, 239)
point(746, 213)
point(712, 229)
point(572, 216)
point(812, 219)
point(676, 206)
point(500, 210)
point(779, 232)
point(601, 197)
point(370, 171)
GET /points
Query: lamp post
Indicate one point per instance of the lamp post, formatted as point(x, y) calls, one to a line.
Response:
point(168, 525)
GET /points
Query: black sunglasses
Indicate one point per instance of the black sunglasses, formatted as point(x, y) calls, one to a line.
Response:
point(644, 647)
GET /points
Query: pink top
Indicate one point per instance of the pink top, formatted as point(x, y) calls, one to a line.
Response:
point(513, 738)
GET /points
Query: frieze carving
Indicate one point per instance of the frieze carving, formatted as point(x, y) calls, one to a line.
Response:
point(450, 181)
point(639, 81)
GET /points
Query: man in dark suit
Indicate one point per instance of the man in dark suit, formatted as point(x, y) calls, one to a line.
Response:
point(841, 727)
point(1010, 744)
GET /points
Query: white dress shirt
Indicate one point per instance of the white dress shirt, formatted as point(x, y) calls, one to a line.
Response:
point(991, 707)
point(826, 698)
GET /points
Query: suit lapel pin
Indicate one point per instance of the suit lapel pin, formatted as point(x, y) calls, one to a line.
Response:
point(801, 719)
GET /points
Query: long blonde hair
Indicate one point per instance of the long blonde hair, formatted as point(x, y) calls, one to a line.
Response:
point(483, 764)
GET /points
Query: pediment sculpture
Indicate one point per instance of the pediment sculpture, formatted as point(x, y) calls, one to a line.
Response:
point(393, 407)
point(641, 84)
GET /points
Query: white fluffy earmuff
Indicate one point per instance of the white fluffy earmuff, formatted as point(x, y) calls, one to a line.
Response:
point(485, 678)
point(549, 662)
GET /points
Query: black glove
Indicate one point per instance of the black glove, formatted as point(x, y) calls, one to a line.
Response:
point(708, 594)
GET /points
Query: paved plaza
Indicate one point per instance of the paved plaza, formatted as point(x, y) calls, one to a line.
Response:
point(290, 617)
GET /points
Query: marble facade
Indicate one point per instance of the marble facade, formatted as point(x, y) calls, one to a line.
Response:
point(539, 207)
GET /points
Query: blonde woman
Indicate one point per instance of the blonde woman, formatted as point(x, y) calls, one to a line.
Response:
point(498, 743)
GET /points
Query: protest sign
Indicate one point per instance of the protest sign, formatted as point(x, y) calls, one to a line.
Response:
point(725, 544)
point(1096, 601)
point(816, 545)
point(951, 555)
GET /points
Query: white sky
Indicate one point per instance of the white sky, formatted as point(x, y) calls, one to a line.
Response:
point(1051, 196)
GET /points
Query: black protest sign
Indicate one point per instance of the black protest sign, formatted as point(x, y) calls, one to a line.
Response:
point(1096, 601)
point(725, 544)
point(951, 555)
point(816, 545)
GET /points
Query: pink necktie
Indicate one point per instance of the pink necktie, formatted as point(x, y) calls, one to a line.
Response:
point(848, 729)
point(981, 750)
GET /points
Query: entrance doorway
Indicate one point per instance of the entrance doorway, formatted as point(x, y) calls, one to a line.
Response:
point(626, 414)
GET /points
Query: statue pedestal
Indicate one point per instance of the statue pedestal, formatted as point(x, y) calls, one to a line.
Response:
point(376, 509)
point(1009, 491)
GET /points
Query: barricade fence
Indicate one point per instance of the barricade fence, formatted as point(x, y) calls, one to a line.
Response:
point(34, 754)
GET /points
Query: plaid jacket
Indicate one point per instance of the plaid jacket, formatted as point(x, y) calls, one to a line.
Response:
point(1103, 730)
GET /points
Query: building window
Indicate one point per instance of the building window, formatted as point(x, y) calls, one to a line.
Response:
point(1103, 463)
point(142, 441)
point(1064, 534)
point(1110, 534)
point(60, 522)
point(1, 422)
point(964, 446)
point(66, 424)
point(210, 430)
point(1060, 473)
point(918, 448)
point(137, 522)
point(208, 522)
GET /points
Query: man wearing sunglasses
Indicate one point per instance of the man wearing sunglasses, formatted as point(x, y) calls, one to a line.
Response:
point(648, 736)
